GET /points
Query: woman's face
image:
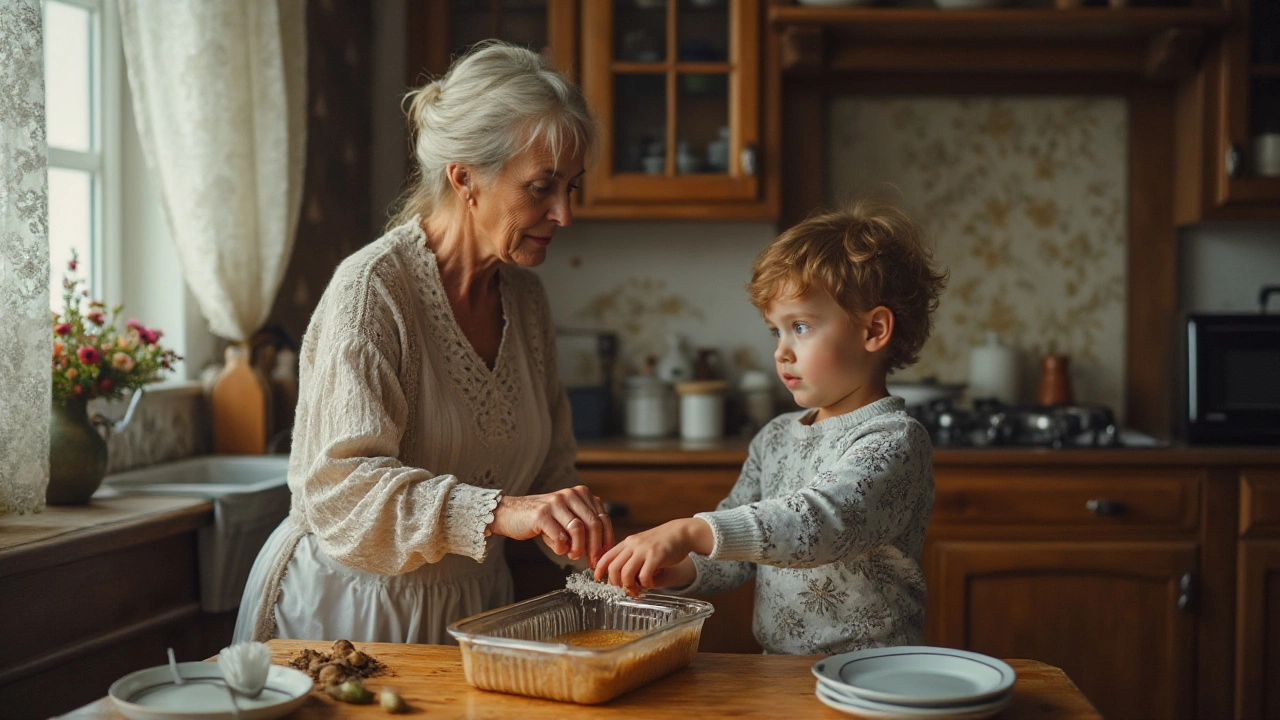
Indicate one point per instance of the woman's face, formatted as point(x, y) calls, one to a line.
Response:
point(518, 210)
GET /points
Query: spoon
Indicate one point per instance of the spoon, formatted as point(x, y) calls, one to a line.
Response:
point(173, 668)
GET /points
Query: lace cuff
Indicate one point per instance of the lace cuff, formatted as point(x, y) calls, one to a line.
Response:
point(468, 512)
point(737, 537)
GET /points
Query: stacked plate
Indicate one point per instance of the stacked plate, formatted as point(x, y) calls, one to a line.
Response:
point(915, 682)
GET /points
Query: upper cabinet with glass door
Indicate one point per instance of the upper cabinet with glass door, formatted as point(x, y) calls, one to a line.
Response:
point(1232, 109)
point(439, 30)
point(676, 86)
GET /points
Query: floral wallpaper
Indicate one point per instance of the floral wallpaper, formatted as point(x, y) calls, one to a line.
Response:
point(1026, 202)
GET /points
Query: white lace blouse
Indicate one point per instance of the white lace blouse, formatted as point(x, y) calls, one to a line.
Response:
point(403, 440)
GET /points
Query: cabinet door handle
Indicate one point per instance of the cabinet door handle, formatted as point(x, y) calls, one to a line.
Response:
point(1187, 596)
point(1231, 163)
point(616, 511)
point(749, 158)
point(1105, 508)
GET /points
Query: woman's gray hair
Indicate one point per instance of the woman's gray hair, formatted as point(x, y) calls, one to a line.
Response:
point(495, 102)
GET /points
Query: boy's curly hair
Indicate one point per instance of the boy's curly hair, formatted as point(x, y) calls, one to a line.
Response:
point(865, 255)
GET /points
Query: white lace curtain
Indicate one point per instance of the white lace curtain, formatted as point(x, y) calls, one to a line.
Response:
point(26, 339)
point(219, 91)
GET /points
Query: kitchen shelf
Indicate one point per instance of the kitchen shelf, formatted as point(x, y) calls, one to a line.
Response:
point(1153, 42)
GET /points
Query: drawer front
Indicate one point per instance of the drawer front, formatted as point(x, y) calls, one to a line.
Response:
point(644, 497)
point(1085, 497)
point(1260, 502)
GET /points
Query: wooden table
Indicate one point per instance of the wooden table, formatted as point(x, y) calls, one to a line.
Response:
point(431, 681)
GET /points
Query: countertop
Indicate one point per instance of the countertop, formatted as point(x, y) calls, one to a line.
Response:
point(733, 451)
point(431, 681)
point(65, 533)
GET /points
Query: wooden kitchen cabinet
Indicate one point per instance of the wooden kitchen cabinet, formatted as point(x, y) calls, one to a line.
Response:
point(1116, 616)
point(678, 89)
point(1222, 109)
point(1095, 571)
point(1258, 614)
point(439, 30)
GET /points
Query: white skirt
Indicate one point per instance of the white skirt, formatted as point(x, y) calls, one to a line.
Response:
point(321, 599)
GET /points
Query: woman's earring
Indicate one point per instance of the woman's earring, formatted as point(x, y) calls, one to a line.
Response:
point(471, 200)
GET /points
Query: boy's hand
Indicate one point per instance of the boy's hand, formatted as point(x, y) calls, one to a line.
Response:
point(656, 558)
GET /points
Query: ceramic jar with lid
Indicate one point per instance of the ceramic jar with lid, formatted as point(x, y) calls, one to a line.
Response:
point(702, 409)
point(650, 408)
point(993, 371)
point(757, 397)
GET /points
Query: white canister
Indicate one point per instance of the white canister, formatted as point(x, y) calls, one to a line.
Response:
point(993, 371)
point(648, 408)
point(702, 409)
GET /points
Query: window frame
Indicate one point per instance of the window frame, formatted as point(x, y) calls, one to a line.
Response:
point(103, 159)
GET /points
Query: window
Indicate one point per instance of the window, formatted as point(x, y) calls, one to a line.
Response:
point(81, 110)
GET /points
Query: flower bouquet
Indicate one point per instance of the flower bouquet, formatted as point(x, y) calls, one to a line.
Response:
point(92, 359)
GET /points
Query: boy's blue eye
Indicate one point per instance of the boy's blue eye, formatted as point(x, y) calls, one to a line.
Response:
point(801, 328)
point(775, 332)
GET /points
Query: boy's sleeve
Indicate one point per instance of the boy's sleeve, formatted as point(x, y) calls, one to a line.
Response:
point(879, 489)
point(715, 575)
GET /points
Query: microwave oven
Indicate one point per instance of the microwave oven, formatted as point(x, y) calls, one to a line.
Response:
point(1232, 373)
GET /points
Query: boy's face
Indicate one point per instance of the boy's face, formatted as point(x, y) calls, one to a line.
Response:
point(827, 359)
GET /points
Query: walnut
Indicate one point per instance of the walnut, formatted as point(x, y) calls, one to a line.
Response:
point(343, 648)
point(357, 659)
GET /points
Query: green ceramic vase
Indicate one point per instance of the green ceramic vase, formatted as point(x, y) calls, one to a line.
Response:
point(77, 454)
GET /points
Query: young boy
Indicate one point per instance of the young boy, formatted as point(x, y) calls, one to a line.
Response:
point(830, 510)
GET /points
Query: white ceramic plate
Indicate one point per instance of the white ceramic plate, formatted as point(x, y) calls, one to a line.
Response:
point(870, 709)
point(151, 694)
point(917, 675)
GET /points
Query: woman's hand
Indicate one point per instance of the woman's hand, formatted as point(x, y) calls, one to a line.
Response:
point(658, 557)
point(571, 521)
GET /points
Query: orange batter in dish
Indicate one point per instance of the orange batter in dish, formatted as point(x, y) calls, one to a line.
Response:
point(597, 638)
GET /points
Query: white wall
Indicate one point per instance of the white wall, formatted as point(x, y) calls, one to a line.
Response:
point(1223, 266)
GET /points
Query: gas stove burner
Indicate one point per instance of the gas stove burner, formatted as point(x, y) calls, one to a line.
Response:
point(991, 423)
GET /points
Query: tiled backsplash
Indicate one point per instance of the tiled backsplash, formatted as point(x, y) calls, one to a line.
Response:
point(169, 424)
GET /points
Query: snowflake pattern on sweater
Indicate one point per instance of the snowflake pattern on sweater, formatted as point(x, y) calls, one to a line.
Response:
point(829, 518)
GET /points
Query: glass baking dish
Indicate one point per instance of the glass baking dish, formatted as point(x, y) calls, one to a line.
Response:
point(513, 650)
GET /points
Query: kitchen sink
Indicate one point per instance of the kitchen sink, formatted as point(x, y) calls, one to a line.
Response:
point(250, 495)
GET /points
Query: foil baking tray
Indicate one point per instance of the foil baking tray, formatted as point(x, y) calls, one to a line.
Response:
point(513, 649)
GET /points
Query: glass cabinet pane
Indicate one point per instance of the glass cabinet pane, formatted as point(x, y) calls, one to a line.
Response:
point(521, 22)
point(702, 123)
point(1264, 87)
point(703, 31)
point(640, 30)
point(524, 22)
point(640, 123)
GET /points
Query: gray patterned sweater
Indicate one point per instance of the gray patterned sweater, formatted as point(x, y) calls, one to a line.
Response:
point(830, 520)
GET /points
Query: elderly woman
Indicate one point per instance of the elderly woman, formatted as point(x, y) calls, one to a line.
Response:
point(431, 422)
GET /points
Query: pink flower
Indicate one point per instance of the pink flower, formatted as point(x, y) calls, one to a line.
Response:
point(63, 329)
point(149, 337)
point(123, 342)
point(105, 384)
point(72, 265)
point(89, 355)
point(78, 390)
point(97, 318)
point(123, 362)
point(134, 324)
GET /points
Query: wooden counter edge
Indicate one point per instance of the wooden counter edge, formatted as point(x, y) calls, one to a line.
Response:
point(190, 514)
